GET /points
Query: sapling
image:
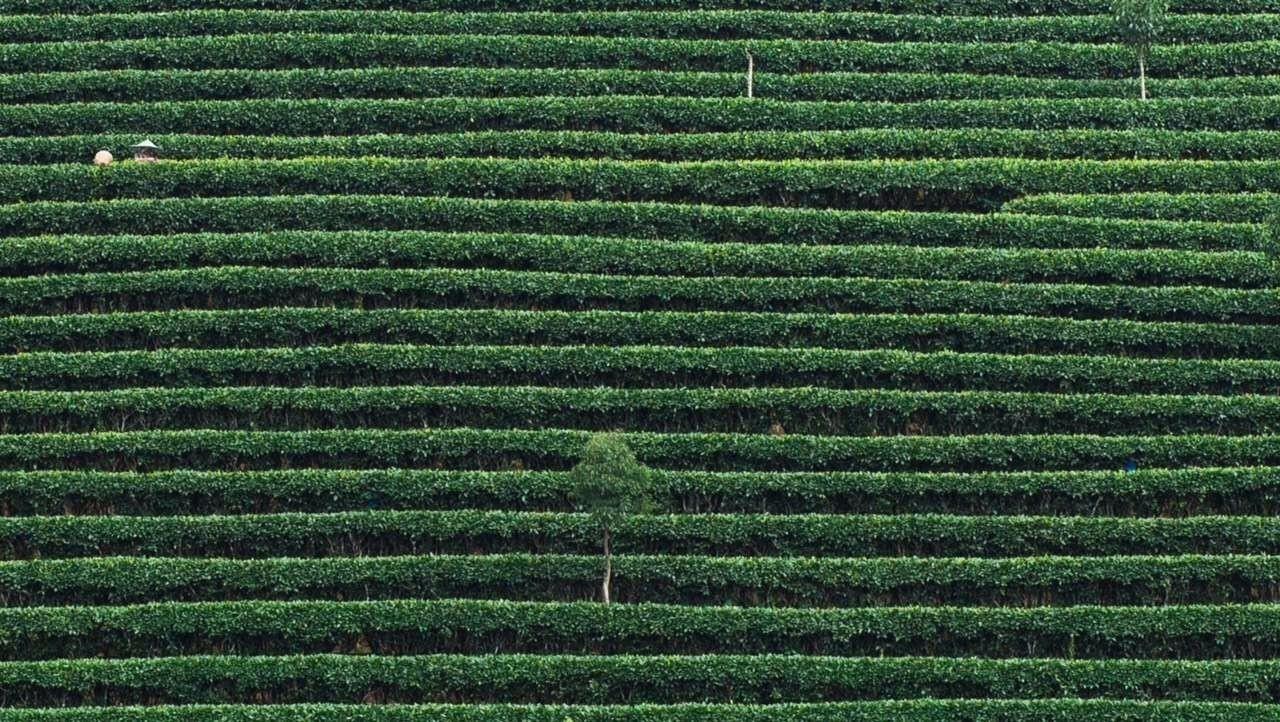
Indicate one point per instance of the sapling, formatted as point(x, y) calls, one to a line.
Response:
point(1139, 23)
point(610, 485)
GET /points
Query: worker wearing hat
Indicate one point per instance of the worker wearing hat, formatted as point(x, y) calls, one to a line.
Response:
point(146, 152)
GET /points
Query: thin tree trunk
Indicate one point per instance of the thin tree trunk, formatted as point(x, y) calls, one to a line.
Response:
point(1142, 74)
point(608, 566)
point(751, 75)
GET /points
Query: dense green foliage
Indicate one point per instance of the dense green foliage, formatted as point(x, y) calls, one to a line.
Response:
point(631, 114)
point(471, 626)
point(1140, 23)
point(638, 366)
point(717, 23)
point(747, 581)
point(614, 678)
point(658, 221)
point(925, 710)
point(1248, 490)
point(617, 487)
point(873, 359)
point(267, 50)
point(782, 144)
point(795, 183)
point(282, 327)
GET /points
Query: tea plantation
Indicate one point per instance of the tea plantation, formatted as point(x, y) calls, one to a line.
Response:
point(956, 363)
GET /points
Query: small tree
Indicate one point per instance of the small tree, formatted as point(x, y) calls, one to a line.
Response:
point(610, 484)
point(1139, 23)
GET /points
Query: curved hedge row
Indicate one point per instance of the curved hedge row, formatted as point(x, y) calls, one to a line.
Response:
point(922, 710)
point(337, 50)
point(969, 183)
point(866, 143)
point(743, 581)
point(239, 287)
point(1236, 207)
point(930, 7)
point(168, 264)
point(203, 223)
point(635, 679)
point(558, 448)
point(634, 114)
point(1145, 492)
point(633, 366)
point(795, 410)
point(483, 627)
point(255, 328)
point(694, 23)
point(285, 467)
point(382, 533)
point(431, 82)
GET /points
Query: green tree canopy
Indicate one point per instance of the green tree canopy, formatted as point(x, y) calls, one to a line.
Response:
point(1139, 23)
point(610, 484)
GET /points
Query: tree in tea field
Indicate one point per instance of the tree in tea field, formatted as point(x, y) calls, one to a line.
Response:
point(610, 485)
point(1139, 23)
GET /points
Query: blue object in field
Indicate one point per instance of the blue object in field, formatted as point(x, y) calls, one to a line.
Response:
point(1130, 465)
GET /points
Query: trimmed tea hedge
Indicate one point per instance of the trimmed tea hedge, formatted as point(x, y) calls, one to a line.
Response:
point(745, 581)
point(558, 448)
point(464, 49)
point(632, 114)
point(957, 332)
point(866, 143)
point(1144, 492)
point(429, 82)
point(964, 183)
point(1235, 207)
point(632, 366)
point(611, 218)
point(635, 679)
point(797, 410)
point(694, 23)
point(238, 287)
point(400, 627)
point(931, 7)
point(383, 532)
point(924, 710)
point(195, 259)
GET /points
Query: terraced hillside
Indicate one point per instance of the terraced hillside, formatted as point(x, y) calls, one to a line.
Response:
point(956, 362)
